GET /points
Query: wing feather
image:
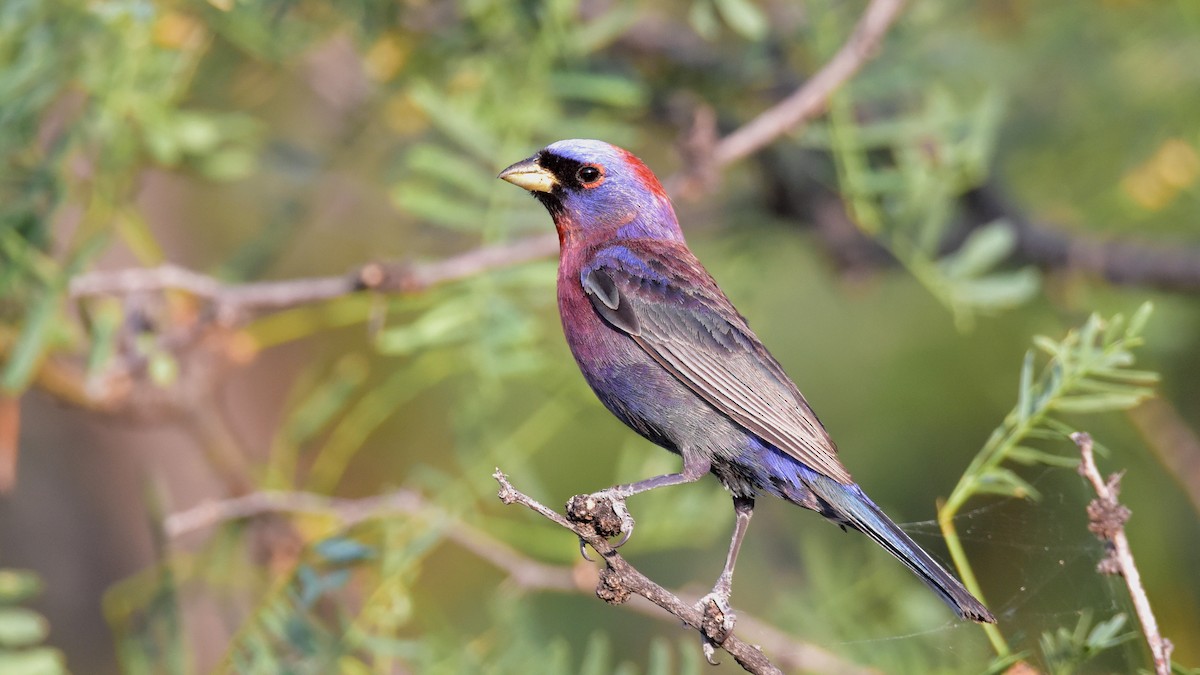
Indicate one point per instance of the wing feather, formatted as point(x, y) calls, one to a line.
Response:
point(674, 311)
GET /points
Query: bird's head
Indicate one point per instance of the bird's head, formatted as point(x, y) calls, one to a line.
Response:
point(592, 187)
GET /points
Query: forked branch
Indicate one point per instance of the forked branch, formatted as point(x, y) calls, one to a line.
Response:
point(522, 571)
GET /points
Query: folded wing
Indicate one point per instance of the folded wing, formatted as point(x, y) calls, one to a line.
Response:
point(669, 305)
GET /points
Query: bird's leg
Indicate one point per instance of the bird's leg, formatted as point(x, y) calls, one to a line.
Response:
point(583, 507)
point(718, 615)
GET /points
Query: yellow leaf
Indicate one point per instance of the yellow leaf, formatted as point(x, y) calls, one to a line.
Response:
point(176, 30)
point(1177, 163)
point(386, 57)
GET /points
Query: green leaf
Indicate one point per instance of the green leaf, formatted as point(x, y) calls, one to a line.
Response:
point(27, 353)
point(1094, 403)
point(599, 88)
point(1092, 385)
point(998, 291)
point(20, 627)
point(324, 403)
point(1062, 429)
point(195, 132)
point(431, 203)
point(1127, 375)
point(1087, 335)
point(597, 655)
point(1001, 664)
point(1005, 482)
point(162, 368)
point(18, 585)
point(38, 661)
point(444, 324)
point(1025, 389)
point(703, 19)
point(1031, 456)
point(228, 164)
point(467, 131)
point(603, 30)
point(659, 662)
point(744, 17)
point(1137, 323)
point(985, 248)
point(1105, 633)
point(1047, 345)
point(465, 176)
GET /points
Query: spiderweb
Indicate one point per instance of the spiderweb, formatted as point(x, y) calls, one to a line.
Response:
point(1036, 561)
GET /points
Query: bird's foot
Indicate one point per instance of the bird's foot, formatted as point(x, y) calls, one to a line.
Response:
point(605, 511)
point(717, 620)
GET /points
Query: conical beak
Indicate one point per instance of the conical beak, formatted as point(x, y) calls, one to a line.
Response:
point(527, 174)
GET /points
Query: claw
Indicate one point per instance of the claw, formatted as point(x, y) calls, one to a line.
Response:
point(709, 652)
point(717, 623)
point(627, 522)
point(608, 520)
point(583, 550)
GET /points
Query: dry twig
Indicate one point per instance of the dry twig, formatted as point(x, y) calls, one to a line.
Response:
point(1107, 518)
point(1173, 441)
point(1122, 261)
point(619, 580)
point(810, 100)
point(524, 572)
point(232, 303)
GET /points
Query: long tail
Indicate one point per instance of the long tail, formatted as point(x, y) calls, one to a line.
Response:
point(848, 504)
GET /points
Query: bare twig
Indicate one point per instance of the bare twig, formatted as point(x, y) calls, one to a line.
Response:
point(348, 511)
point(232, 302)
point(619, 579)
point(1107, 518)
point(524, 572)
point(810, 100)
point(1173, 441)
point(706, 156)
point(1121, 261)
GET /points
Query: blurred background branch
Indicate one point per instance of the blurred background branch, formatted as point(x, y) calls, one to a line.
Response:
point(188, 194)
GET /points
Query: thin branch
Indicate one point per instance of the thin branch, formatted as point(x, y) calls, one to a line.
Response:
point(349, 511)
point(810, 100)
point(1120, 261)
point(1107, 518)
point(232, 302)
point(1173, 441)
point(619, 580)
point(524, 572)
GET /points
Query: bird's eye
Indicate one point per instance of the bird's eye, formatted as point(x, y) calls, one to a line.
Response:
point(588, 174)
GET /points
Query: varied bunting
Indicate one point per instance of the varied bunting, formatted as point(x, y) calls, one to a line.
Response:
point(667, 353)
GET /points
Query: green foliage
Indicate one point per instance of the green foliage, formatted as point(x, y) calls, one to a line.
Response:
point(23, 630)
point(902, 176)
point(1087, 371)
point(260, 139)
point(1067, 649)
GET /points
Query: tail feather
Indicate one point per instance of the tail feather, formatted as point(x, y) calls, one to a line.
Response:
point(850, 506)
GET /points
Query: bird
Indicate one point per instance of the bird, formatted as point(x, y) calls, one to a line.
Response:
point(667, 353)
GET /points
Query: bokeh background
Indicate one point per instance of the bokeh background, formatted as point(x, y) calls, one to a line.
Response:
point(992, 174)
